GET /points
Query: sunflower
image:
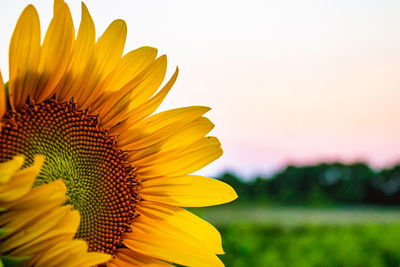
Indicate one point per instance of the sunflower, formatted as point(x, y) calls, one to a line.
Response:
point(111, 182)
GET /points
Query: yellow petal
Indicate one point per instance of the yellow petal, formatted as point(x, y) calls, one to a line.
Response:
point(165, 181)
point(8, 168)
point(159, 240)
point(200, 192)
point(3, 100)
point(24, 55)
point(174, 144)
point(141, 87)
point(184, 220)
point(127, 257)
point(82, 51)
point(188, 149)
point(190, 134)
point(32, 232)
point(52, 192)
point(35, 258)
point(55, 52)
point(85, 41)
point(107, 54)
point(58, 253)
point(88, 259)
point(145, 109)
point(72, 253)
point(186, 161)
point(57, 5)
point(22, 181)
point(112, 106)
point(65, 227)
point(150, 82)
point(118, 111)
point(110, 46)
point(159, 126)
point(129, 67)
point(16, 221)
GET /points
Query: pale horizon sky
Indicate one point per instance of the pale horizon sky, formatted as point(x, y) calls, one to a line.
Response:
point(288, 81)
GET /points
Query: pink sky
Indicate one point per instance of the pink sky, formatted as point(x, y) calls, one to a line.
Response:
point(289, 81)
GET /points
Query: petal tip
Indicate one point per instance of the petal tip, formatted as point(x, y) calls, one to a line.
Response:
point(120, 23)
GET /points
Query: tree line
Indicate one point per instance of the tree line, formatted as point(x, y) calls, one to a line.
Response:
point(322, 184)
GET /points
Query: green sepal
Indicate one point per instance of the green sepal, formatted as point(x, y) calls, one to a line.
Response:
point(6, 88)
point(12, 261)
point(7, 95)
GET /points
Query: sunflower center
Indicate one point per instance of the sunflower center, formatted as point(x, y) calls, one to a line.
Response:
point(101, 185)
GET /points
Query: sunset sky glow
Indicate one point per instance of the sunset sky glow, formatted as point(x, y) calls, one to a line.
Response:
point(288, 81)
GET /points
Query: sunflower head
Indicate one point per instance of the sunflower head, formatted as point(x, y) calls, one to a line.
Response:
point(101, 185)
point(87, 109)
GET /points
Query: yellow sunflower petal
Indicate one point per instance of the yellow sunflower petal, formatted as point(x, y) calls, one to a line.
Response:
point(32, 232)
point(15, 221)
point(55, 52)
point(66, 227)
point(114, 106)
point(117, 113)
point(24, 55)
point(167, 181)
point(155, 238)
point(185, 161)
point(36, 259)
point(149, 82)
point(8, 168)
point(57, 5)
point(158, 127)
point(87, 259)
point(110, 46)
point(197, 192)
point(146, 108)
point(51, 193)
point(58, 253)
point(184, 220)
point(72, 253)
point(177, 142)
point(82, 51)
point(3, 100)
point(195, 146)
point(22, 181)
point(127, 257)
point(107, 54)
point(193, 132)
point(129, 67)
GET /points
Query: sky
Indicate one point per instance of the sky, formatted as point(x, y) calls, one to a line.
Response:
point(289, 82)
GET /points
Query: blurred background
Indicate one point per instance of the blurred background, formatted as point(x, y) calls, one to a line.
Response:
point(305, 98)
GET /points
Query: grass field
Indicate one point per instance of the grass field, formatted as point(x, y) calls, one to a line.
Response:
point(294, 216)
point(257, 235)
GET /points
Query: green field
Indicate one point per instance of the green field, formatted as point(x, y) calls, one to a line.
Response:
point(288, 216)
point(257, 235)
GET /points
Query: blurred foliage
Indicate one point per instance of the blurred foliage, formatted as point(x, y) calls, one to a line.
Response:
point(322, 184)
point(273, 246)
point(326, 215)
